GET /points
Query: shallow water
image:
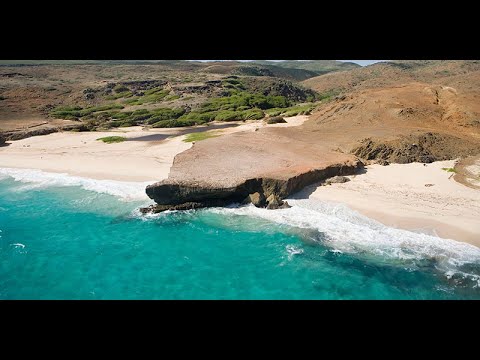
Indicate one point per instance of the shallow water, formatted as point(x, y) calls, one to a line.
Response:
point(67, 242)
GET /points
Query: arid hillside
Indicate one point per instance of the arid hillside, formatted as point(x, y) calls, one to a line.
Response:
point(403, 112)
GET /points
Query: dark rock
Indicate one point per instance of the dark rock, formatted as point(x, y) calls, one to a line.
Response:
point(429, 185)
point(383, 162)
point(89, 96)
point(155, 209)
point(2, 140)
point(170, 193)
point(257, 199)
point(337, 180)
point(276, 120)
point(274, 202)
point(424, 148)
point(23, 134)
point(285, 205)
point(75, 127)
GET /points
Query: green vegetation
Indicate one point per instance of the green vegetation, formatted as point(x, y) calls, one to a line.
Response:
point(120, 88)
point(318, 66)
point(450, 170)
point(75, 112)
point(150, 96)
point(241, 99)
point(200, 136)
point(125, 94)
point(112, 139)
point(326, 96)
point(172, 97)
point(292, 111)
point(245, 101)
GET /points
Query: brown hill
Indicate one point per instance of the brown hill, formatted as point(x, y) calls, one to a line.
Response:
point(402, 112)
point(396, 104)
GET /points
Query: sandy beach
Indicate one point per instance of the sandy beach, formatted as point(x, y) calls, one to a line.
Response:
point(147, 155)
point(396, 196)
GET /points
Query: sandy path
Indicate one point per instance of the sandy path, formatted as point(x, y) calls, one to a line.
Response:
point(396, 195)
point(147, 156)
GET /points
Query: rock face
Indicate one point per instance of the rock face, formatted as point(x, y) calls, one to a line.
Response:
point(2, 140)
point(257, 199)
point(424, 148)
point(181, 195)
point(337, 180)
point(19, 135)
point(274, 202)
point(276, 120)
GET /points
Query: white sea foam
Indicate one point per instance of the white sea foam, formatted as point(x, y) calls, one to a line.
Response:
point(18, 245)
point(345, 230)
point(127, 191)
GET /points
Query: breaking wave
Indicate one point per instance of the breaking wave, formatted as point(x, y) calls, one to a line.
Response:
point(342, 229)
point(35, 179)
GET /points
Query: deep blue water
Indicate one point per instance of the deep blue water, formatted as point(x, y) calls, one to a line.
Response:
point(70, 243)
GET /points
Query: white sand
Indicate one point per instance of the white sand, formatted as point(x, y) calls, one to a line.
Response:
point(80, 154)
point(396, 195)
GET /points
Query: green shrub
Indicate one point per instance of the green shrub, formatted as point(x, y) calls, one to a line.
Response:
point(199, 136)
point(450, 170)
point(228, 115)
point(150, 96)
point(292, 111)
point(112, 139)
point(124, 94)
point(172, 97)
point(120, 88)
point(253, 114)
point(165, 114)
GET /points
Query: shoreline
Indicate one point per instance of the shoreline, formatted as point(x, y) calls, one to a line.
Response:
point(396, 196)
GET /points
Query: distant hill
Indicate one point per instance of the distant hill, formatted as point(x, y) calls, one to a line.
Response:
point(317, 66)
point(394, 73)
point(293, 70)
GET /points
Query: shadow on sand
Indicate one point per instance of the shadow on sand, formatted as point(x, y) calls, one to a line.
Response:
point(160, 137)
point(310, 189)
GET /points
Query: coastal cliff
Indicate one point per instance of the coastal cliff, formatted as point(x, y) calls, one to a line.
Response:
point(262, 167)
point(182, 195)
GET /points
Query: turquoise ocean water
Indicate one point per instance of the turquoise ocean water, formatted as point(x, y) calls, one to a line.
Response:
point(87, 241)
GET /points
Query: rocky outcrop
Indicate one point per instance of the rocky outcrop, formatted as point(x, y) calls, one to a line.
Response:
point(276, 120)
point(257, 199)
point(274, 202)
point(337, 180)
point(2, 140)
point(424, 148)
point(179, 195)
point(23, 134)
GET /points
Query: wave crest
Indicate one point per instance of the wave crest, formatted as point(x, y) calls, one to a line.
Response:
point(127, 191)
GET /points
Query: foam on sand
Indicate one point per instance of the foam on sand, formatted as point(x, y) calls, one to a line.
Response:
point(127, 191)
point(345, 230)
